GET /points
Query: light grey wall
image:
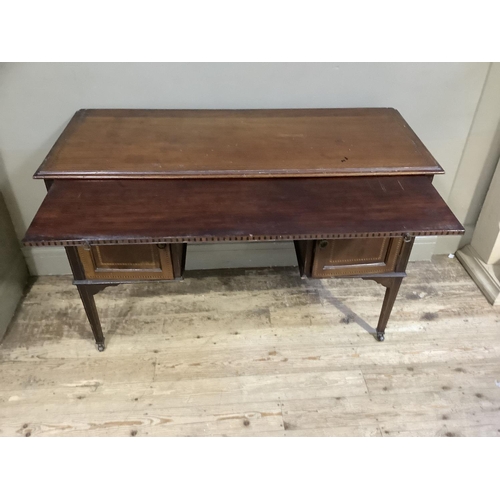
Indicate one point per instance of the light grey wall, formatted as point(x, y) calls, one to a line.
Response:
point(37, 100)
point(478, 163)
point(13, 271)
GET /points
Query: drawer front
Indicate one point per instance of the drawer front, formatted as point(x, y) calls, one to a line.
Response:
point(127, 262)
point(351, 257)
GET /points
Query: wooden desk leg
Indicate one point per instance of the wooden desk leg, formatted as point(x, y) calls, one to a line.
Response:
point(392, 286)
point(391, 293)
point(87, 295)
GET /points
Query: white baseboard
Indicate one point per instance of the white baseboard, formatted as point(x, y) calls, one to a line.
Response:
point(486, 276)
point(44, 261)
point(423, 248)
point(53, 261)
point(450, 244)
point(234, 255)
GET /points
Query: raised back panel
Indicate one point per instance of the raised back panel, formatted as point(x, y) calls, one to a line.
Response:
point(121, 143)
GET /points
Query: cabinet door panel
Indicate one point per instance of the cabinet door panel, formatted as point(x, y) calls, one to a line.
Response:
point(127, 262)
point(351, 257)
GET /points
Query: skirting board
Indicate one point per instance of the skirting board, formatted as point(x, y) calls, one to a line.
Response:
point(52, 261)
point(484, 275)
point(450, 244)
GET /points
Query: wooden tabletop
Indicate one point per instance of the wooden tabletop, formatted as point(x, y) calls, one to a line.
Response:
point(198, 210)
point(237, 143)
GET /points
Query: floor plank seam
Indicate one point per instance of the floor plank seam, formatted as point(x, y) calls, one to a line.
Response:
point(283, 424)
point(364, 380)
point(155, 362)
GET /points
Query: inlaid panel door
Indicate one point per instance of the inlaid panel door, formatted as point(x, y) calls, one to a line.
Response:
point(351, 257)
point(127, 262)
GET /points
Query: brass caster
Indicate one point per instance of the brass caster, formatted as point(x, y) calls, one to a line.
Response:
point(380, 336)
point(100, 346)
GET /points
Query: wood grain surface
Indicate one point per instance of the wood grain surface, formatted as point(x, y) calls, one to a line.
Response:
point(255, 353)
point(117, 143)
point(199, 210)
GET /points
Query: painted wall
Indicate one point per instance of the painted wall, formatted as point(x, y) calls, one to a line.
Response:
point(477, 165)
point(13, 271)
point(37, 100)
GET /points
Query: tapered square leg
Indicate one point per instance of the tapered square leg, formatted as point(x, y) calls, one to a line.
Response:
point(390, 297)
point(87, 295)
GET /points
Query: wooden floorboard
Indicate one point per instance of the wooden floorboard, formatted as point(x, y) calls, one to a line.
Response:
point(255, 353)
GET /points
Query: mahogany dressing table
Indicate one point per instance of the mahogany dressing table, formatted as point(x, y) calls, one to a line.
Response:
point(128, 190)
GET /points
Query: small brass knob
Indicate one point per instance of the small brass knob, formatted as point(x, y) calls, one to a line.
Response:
point(323, 243)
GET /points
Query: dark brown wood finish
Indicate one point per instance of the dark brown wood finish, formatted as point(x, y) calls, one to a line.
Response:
point(129, 211)
point(178, 252)
point(349, 257)
point(390, 296)
point(392, 287)
point(128, 189)
point(304, 250)
point(87, 293)
point(107, 143)
point(127, 262)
